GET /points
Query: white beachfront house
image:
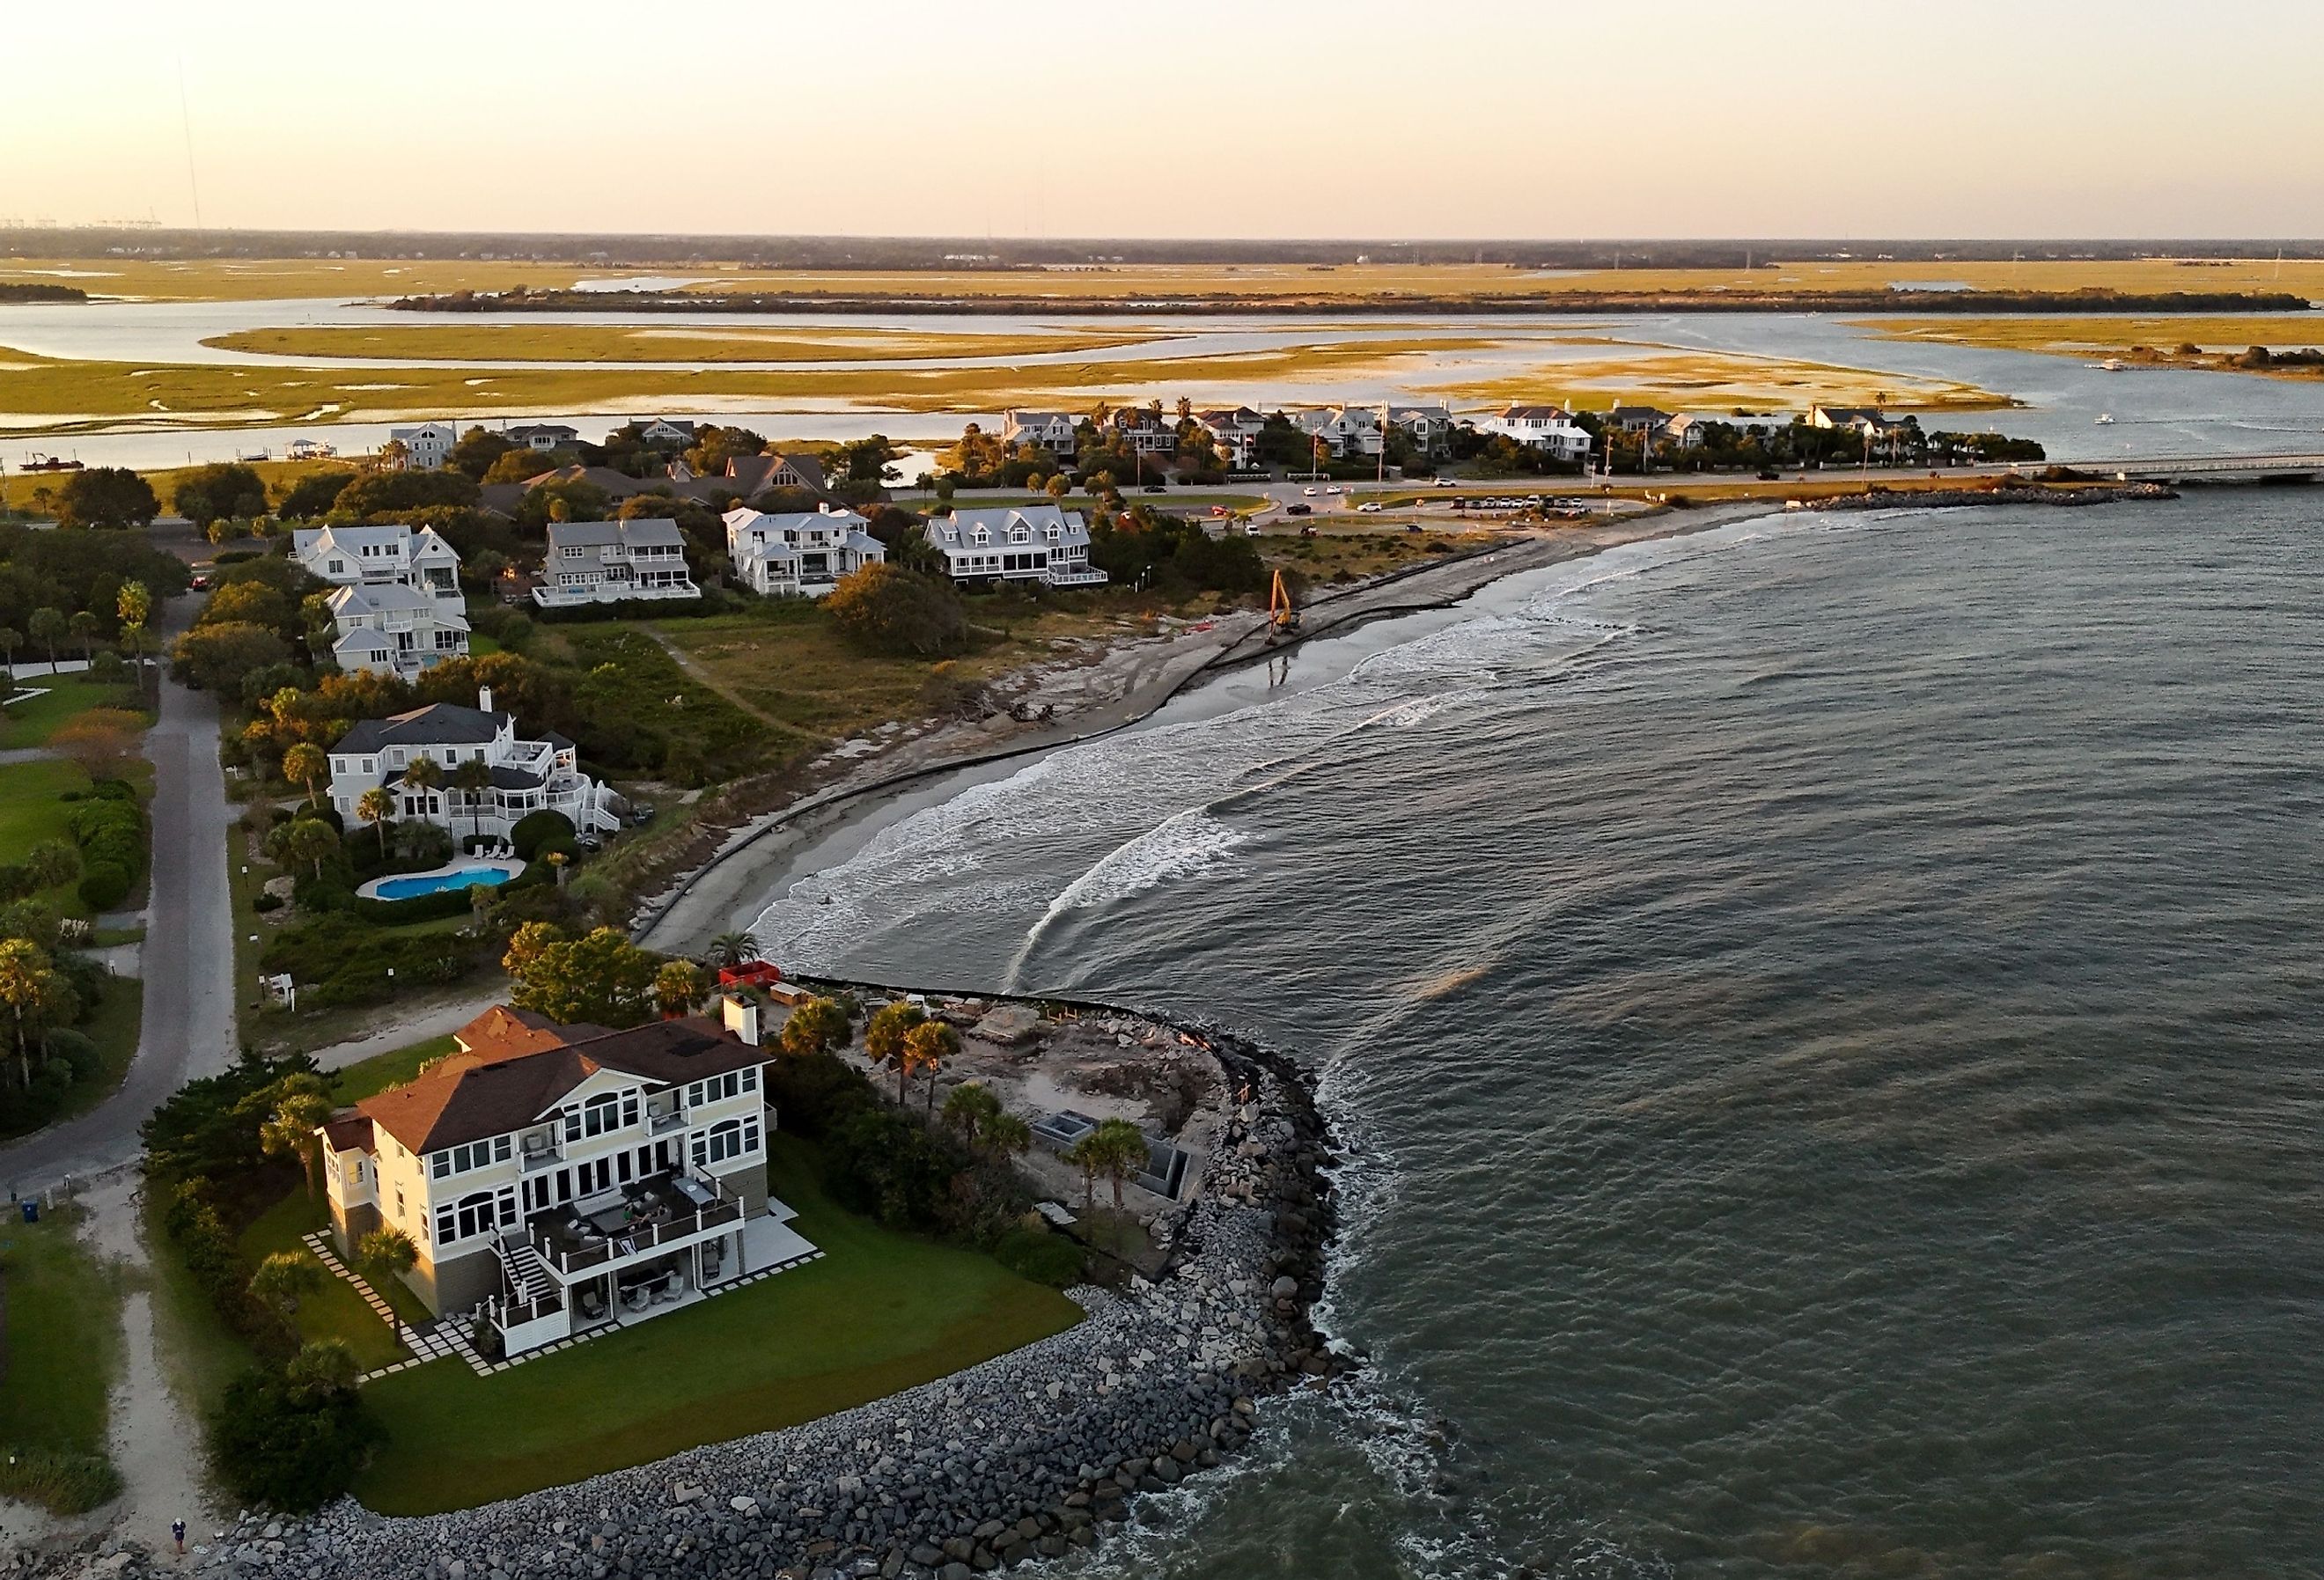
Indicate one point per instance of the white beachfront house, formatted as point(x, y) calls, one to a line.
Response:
point(384, 556)
point(1016, 542)
point(604, 562)
point(798, 553)
point(1691, 430)
point(527, 775)
point(391, 629)
point(1545, 428)
point(1052, 430)
point(1429, 427)
point(570, 1179)
point(1345, 431)
point(426, 446)
point(1235, 431)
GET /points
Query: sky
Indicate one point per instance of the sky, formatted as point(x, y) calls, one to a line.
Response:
point(1264, 118)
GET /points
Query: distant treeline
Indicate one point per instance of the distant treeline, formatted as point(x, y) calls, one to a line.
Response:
point(1918, 302)
point(1004, 252)
point(29, 290)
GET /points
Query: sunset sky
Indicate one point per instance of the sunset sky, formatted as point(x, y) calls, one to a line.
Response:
point(1269, 118)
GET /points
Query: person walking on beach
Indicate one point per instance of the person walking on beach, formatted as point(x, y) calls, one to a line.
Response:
point(177, 1535)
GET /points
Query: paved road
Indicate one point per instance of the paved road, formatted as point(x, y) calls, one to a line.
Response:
point(187, 961)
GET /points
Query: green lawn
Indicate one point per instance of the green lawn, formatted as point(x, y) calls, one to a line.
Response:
point(30, 811)
point(32, 722)
point(61, 1344)
point(334, 1311)
point(382, 1070)
point(880, 1313)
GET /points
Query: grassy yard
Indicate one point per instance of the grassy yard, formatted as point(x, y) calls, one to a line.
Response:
point(29, 810)
point(380, 1071)
point(59, 1338)
point(880, 1313)
point(30, 722)
point(336, 1310)
point(1332, 557)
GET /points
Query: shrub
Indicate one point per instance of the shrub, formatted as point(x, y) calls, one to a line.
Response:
point(103, 885)
point(77, 1051)
point(535, 827)
point(1039, 1255)
point(266, 902)
point(339, 959)
point(287, 1447)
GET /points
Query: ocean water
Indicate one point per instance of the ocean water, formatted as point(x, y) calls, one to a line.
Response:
point(1826, 1012)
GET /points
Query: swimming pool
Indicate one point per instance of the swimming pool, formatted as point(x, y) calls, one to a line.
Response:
point(464, 875)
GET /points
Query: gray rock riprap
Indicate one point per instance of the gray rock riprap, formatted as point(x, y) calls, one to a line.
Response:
point(1023, 1457)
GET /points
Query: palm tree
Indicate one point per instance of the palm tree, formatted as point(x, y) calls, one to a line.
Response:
point(970, 1108)
point(925, 1047)
point(26, 985)
point(375, 807)
point(423, 773)
point(1116, 1149)
point(815, 1026)
point(301, 1107)
point(676, 985)
point(305, 764)
point(323, 1366)
point(884, 1035)
point(83, 626)
point(1007, 1136)
point(306, 839)
point(11, 639)
point(386, 1251)
point(730, 949)
point(286, 1277)
point(132, 606)
point(48, 628)
point(472, 779)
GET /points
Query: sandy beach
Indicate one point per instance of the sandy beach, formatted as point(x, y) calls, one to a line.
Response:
point(1123, 686)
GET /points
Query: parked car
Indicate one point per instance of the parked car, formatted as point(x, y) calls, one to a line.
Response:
point(1298, 510)
point(1446, 483)
point(1310, 491)
point(201, 582)
point(1156, 488)
point(1251, 529)
point(1334, 489)
point(1370, 507)
point(1307, 529)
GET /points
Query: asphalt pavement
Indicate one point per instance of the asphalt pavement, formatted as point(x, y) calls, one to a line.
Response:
point(188, 964)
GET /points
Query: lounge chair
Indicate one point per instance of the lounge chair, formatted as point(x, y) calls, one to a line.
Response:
point(636, 1300)
point(591, 1306)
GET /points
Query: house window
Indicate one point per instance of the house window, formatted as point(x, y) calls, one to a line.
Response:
point(474, 1215)
point(733, 1137)
point(716, 1088)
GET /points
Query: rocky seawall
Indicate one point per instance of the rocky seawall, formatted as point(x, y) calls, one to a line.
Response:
point(1931, 499)
point(1028, 1455)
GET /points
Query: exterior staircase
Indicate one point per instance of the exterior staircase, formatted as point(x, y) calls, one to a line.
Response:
point(524, 1270)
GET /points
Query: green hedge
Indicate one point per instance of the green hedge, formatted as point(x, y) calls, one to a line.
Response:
point(59, 1479)
point(535, 827)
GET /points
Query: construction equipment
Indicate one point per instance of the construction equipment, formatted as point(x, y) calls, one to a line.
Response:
point(1282, 618)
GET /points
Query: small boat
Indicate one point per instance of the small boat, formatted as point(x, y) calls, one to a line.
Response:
point(2106, 419)
point(253, 456)
point(2111, 364)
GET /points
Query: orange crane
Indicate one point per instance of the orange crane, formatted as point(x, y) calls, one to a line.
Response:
point(1282, 617)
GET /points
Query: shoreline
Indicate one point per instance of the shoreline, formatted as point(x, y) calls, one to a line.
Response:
point(1021, 1458)
point(712, 896)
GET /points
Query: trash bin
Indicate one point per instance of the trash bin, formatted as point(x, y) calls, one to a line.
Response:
point(31, 1210)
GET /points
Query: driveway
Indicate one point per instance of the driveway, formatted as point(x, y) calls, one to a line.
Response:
point(188, 956)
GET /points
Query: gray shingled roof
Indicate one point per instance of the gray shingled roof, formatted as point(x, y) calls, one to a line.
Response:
point(439, 723)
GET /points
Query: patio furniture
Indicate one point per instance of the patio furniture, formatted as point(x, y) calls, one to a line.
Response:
point(636, 1300)
point(711, 1260)
point(592, 1306)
